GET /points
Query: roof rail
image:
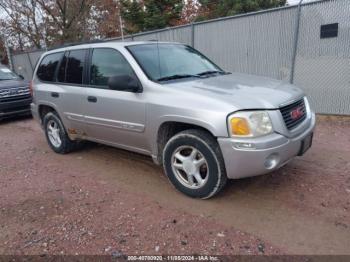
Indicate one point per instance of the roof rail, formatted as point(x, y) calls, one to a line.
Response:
point(91, 42)
point(78, 43)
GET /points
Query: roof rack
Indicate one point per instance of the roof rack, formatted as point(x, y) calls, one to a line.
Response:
point(79, 43)
point(92, 42)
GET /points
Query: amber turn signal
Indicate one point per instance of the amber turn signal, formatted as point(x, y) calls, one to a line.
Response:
point(239, 126)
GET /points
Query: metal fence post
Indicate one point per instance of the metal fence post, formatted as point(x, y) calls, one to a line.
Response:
point(121, 27)
point(296, 40)
point(30, 62)
point(9, 55)
point(192, 35)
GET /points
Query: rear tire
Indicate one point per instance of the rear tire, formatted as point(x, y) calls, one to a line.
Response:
point(56, 134)
point(194, 164)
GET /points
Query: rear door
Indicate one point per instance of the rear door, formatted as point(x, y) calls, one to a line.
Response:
point(113, 117)
point(71, 93)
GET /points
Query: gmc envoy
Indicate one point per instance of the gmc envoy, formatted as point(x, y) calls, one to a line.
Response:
point(169, 101)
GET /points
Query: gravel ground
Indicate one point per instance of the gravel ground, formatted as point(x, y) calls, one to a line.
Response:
point(102, 200)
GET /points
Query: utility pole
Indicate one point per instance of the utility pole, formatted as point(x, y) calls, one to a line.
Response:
point(120, 19)
point(121, 25)
point(296, 41)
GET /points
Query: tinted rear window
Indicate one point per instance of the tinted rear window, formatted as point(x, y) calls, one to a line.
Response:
point(47, 67)
point(75, 67)
point(61, 76)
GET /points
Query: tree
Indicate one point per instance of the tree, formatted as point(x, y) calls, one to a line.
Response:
point(21, 22)
point(104, 19)
point(150, 14)
point(190, 11)
point(160, 14)
point(65, 20)
point(219, 8)
point(133, 15)
point(28, 24)
point(45, 23)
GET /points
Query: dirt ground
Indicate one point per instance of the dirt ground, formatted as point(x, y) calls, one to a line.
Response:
point(102, 200)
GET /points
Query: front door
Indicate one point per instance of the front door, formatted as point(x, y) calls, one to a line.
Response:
point(113, 117)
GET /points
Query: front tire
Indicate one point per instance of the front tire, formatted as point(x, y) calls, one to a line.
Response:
point(56, 134)
point(194, 164)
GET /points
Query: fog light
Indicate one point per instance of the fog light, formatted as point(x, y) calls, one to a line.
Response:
point(272, 161)
point(242, 145)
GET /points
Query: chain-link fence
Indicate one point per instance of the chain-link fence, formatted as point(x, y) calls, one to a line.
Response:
point(322, 65)
point(308, 45)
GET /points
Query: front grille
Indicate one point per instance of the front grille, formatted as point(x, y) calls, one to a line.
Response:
point(15, 109)
point(14, 98)
point(294, 114)
point(14, 93)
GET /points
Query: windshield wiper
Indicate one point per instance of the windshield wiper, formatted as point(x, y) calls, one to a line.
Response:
point(213, 72)
point(178, 76)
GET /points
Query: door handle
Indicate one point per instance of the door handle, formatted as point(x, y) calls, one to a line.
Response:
point(92, 99)
point(55, 94)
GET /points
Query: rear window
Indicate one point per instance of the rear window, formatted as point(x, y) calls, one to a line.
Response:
point(61, 76)
point(75, 67)
point(72, 67)
point(47, 67)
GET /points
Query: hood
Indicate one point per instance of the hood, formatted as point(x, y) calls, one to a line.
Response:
point(13, 83)
point(242, 91)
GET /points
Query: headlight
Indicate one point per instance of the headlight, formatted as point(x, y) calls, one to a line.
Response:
point(250, 124)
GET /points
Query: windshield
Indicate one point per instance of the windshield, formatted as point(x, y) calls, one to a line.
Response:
point(164, 62)
point(7, 74)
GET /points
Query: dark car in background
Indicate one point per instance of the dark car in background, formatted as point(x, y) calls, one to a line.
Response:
point(15, 96)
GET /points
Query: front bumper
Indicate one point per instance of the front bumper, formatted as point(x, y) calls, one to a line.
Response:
point(243, 162)
point(15, 107)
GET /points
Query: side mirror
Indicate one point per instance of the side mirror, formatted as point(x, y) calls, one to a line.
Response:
point(21, 77)
point(124, 83)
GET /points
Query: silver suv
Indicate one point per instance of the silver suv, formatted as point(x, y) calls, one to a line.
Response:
point(169, 101)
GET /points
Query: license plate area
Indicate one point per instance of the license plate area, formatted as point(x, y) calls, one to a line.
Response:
point(306, 143)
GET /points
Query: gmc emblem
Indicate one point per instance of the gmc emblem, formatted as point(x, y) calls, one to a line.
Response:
point(297, 113)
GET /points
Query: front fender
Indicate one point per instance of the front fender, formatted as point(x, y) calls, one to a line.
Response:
point(216, 131)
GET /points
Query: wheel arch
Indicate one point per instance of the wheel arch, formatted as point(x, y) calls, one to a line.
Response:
point(44, 108)
point(169, 128)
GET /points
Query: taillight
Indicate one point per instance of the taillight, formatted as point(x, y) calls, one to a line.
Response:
point(31, 87)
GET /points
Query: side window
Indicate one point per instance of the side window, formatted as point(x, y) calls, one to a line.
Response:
point(105, 63)
point(47, 68)
point(71, 70)
point(61, 76)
